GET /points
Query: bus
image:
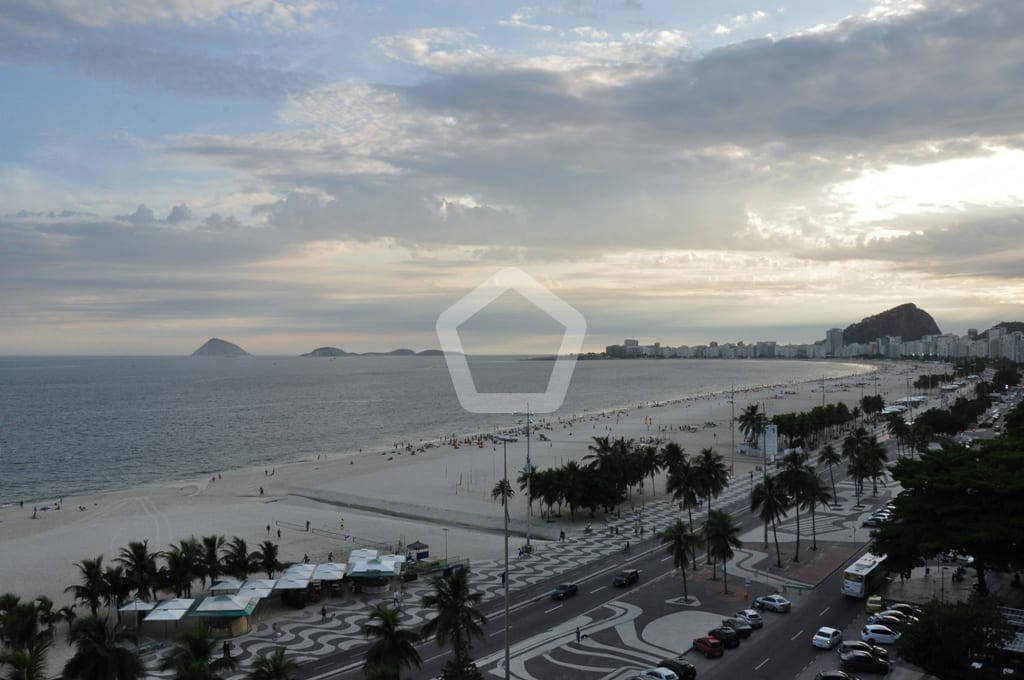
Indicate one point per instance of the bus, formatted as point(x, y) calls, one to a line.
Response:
point(861, 577)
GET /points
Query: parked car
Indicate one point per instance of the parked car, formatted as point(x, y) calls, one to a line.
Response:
point(888, 621)
point(709, 646)
point(681, 667)
point(742, 628)
point(656, 674)
point(873, 522)
point(834, 675)
point(877, 633)
point(564, 591)
point(775, 603)
point(728, 636)
point(626, 578)
point(858, 660)
point(751, 617)
point(826, 638)
point(859, 645)
point(907, 609)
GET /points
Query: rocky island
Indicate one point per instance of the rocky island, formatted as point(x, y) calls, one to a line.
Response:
point(215, 347)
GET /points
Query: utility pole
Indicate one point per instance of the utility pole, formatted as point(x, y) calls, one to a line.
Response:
point(732, 427)
point(529, 478)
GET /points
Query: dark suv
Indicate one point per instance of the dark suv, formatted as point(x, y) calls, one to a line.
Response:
point(681, 667)
point(728, 636)
point(626, 578)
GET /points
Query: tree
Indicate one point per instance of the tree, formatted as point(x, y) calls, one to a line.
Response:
point(20, 624)
point(768, 498)
point(238, 561)
point(793, 477)
point(25, 663)
point(90, 591)
point(711, 473)
point(829, 456)
point(267, 558)
point(813, 494)
point(671, 454)
point(140, 568)
point(179, 567)
point(651, 463)
point(854, 452)
point(752, 423)
point(949, 636)
point(502, 491)
point(102, 652)
point(684, 485)
point(273, 666)
point(194, 657)
point(722, 535)
point(209, 558)
point(681, 542)
point(393, 648)
point(458, 618)
point(116, 588)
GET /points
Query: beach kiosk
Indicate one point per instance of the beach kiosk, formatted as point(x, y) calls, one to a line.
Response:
point(418, 550)
point(228, 614)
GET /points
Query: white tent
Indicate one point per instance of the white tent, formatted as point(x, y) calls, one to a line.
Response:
point(331, 571)
point(226, 605)
point(257, 587)
point(136, 605)
point(292, 583)
point(170, 610)
point(226, 585)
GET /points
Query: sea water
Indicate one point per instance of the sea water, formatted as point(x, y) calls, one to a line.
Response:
point(85, 424)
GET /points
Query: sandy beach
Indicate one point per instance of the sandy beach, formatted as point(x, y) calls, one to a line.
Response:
point(440, 496)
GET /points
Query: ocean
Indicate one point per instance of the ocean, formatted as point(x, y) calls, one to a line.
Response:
point(74, 425)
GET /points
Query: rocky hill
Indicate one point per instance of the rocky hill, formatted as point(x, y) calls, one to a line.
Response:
point(1009, 326)
point(328, 352)
point(215, 347)
point(906, 321)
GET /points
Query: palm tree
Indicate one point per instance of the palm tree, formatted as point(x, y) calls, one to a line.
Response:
point(179, 567)
point(793, 477)
point(116, 587)
point(573, 491)
point(671, 454)
point(680, 542)
point(394, 647)
point(829, 456)
point(651, 463)
point(458, 618)
point(751, 423)
point(876, 458)
point(815, 493)
point(273, 666)
point(712, 473)
point(90, 591)
point(266, 558)
point(19, 626)
point(238, 561)
point(722, 535)
point(102, 652)
point(26, 663)
point(684, 485)
point(209, 558)
point(502, 490)
point(769, 499)
point(857, 464)
point(193, 657)
point(140, 568)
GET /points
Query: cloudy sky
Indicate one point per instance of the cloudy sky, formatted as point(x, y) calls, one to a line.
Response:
point(294, 173)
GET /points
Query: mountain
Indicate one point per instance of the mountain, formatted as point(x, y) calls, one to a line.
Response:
point(328, 352)
point(431, 353)
point(1010, 327)
point(215, 347)
point(906, 321)
point(392, 353)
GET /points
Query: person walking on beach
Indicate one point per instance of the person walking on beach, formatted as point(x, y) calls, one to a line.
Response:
point(268, 530)
point(323, 613)
point(279, 533)
point(577, 634)
point(307, 525)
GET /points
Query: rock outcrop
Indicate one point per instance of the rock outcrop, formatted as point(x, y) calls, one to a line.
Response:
point(906, 321)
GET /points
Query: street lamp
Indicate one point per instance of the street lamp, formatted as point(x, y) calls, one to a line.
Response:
point(529, 475)
point(504, 455)
point(445, 529)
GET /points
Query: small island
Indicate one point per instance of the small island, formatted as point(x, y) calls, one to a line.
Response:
point(335, 352)
point(328, 352)
point(215, 347)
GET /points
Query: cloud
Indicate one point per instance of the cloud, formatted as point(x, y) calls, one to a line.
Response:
point(739, 21)
point(521, 20)
point(142, 217)
point(179, 213)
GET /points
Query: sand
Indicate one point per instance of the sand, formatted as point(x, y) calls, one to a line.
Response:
point(441, 496)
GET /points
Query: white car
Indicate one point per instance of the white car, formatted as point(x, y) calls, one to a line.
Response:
point(751, 617)
point(775, 603)
point(877, 634)
point(659, 673)
point(826, 638)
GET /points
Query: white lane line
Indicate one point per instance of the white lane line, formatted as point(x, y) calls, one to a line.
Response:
point(758, 666)
point(596, 590)
point(796, 636)
point(548, 611)
point(666, 559)
point(498, 632)
point(822, 612)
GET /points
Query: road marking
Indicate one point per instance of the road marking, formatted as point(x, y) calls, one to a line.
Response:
point(796, 636)
point(596, 590)
point(498, 632)
point(822, 612)
point(666, 559)
point(758, 666)
point(548, 611)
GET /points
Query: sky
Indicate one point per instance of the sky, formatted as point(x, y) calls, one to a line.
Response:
point(288, 174)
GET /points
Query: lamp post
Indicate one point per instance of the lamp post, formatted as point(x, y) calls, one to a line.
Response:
point(504, 503)
point(445, 529)
point(529, 476)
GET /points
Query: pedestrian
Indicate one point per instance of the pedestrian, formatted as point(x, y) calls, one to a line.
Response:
point(21, 504)
point(307, 525)
point(279, 533)
point(503, 578)
point(305, 558)
point(265, 473)
point(35, 512)
point(577, 634)
point(746, 597)
point(561, 535)
point(261, 490)
point(268, 529)
point(226, 649)
point(641, 531)
point(323, 613)
point(395, 598)
point(330, 556)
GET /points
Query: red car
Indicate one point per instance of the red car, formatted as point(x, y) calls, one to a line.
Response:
point(709, 646)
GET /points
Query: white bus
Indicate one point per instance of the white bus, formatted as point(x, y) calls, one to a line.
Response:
point(861, 577)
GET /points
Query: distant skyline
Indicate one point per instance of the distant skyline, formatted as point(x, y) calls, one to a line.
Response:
point(289, 174)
